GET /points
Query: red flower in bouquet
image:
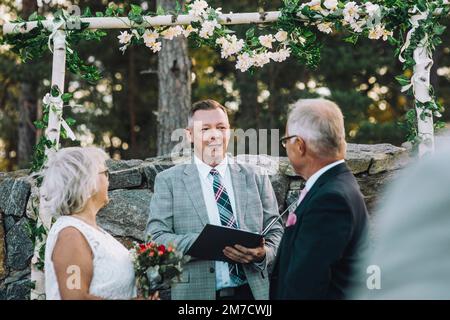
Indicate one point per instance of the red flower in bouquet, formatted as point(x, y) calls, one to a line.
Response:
point(156, 266)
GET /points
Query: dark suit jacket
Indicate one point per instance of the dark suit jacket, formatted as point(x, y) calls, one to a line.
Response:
point(318, 256)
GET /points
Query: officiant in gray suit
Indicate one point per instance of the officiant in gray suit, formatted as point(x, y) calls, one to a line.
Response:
point(214, 189)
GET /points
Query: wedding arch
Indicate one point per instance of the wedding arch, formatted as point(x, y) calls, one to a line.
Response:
point(412, 26)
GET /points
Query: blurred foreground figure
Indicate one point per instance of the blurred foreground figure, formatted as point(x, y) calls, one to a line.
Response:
point(411, 256)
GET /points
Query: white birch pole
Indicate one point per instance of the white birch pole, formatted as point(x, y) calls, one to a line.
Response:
point(58, 73)
point(52, 133)
point(421, 84)
point(165, 20)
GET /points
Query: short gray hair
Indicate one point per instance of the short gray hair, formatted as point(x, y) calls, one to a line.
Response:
point(70, 179)
point(321, 124)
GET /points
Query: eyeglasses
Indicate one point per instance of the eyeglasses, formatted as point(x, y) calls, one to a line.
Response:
point(284, 139)
point(106, 173)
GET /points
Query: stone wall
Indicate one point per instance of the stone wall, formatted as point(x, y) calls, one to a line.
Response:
point(16, 248)
point(131, 186)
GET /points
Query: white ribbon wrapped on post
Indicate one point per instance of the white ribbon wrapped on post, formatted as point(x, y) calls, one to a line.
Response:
point(53, 27)
point(414, 20)
point(56, 105)
point(420, 82)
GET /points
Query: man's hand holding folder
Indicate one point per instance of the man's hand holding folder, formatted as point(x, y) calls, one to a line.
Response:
point(228, 244)
point(233, 245)
point(242, 254)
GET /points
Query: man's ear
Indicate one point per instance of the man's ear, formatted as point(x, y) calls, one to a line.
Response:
point(189, 137)
point(301, 145)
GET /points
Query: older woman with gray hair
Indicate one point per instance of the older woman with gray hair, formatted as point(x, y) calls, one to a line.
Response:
point(82, 261)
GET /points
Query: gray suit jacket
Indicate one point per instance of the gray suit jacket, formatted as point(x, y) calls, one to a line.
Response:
point(178, 214)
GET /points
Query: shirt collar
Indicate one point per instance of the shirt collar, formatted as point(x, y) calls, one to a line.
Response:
point(310, 182)
point(204, 169)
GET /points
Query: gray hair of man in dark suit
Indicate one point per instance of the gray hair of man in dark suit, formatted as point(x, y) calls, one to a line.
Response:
point(321, 124)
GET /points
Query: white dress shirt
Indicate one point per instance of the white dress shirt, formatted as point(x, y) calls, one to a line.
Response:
point(223, 279)
point(312, 180)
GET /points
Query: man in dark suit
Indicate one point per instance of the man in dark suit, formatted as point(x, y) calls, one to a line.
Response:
point(326, 236)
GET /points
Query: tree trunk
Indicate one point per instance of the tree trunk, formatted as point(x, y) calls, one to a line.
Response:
point(174, 74)
point(249, 108)
point(27, 131)
point(275, 110)
point(27, 107)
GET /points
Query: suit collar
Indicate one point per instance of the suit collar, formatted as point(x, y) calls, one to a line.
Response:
point(332, 173)
point(191, 180)
point(204, 169)
point(323, 179)
point(191, 166)
point(312, 180)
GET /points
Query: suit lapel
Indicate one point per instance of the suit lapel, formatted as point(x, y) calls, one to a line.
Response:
point(239, 182)
point(193, 187)
point(323, 179)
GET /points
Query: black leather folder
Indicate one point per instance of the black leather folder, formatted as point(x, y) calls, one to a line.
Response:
point(213, 239)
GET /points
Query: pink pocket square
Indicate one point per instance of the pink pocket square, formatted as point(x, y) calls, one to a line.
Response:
point(291, 220)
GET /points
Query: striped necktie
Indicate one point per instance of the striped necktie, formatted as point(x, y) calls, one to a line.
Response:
point(227, 219)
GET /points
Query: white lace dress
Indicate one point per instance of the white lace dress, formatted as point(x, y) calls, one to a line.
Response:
point(113, 272)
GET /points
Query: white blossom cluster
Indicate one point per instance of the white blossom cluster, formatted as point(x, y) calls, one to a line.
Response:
point(359, 17)
point(229, 44)
point(151, 36)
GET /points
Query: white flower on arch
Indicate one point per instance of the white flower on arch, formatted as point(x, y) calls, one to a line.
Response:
point(350, 12)
point(331, 4)
point(230, 45)
point(266, 40)
point(357, 26)
point(150, 36)
point(325, 27)
point(189, 29)
point(280, 55)
point(172, 32)
point(378, 32)
point(208, 28)
point(154, 46)
point(124, 37)
point(244, 62)
point(281, 36)
point(371, 8)
point(313, 5)
point(261, 59)
point(198, 8)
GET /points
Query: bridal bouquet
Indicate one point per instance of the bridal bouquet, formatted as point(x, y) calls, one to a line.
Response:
point(155, 266)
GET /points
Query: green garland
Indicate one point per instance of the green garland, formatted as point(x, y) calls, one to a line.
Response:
point(303, 42)
point(44, 143)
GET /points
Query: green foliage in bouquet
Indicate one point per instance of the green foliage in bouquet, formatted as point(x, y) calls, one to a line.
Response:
point(156, 266)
